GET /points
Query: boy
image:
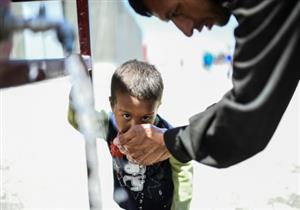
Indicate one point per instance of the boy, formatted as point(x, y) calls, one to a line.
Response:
point(136, 91)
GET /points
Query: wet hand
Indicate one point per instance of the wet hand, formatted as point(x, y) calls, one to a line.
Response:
point(143, 144)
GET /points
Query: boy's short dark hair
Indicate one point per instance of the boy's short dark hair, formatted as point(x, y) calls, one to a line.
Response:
point(139, 79)
point(140, 8)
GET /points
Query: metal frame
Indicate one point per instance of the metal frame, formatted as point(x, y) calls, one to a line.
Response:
point(20, 72)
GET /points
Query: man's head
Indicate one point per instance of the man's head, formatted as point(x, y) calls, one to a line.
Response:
point(136, 92)
point(187, 15)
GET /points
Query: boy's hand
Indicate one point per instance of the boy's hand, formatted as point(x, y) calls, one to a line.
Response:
point(144, 144)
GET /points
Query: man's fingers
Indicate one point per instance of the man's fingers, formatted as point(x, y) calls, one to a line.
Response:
point(123, 149)
point(137, 155)
point(139, 144)
point(153, 156)
point(133, 138)
point(147, 157)
point(124, 138)
point(133, 160)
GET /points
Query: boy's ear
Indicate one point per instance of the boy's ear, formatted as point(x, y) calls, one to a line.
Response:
point(159, 103)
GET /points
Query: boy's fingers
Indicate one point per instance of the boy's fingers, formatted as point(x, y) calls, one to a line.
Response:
point(116, 141)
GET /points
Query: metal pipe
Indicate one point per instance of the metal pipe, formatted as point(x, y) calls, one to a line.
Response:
point(83, 103)
point(90, 141)
point(10, 24)
point(20, 72)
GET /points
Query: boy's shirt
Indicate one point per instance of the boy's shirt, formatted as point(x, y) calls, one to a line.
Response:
point(159, 186)
point(146, 187)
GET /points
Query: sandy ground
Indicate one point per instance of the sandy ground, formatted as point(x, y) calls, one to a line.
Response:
point(43, 159)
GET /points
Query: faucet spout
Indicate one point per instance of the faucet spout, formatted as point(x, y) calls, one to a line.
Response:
point(10, 24)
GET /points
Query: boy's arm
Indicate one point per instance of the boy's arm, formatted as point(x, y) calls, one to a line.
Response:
point(71, 117)
point(182, 175)
point(101, 120)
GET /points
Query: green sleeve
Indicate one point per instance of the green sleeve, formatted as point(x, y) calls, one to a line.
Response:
point(71, 117)
point(101, 119)
point(182, 175)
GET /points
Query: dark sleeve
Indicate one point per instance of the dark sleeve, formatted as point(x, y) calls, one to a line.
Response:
point(265, 75)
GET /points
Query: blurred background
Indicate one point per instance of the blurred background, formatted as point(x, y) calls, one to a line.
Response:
point(43, 158)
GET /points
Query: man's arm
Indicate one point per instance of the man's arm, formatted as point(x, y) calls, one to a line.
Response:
point(265, 76)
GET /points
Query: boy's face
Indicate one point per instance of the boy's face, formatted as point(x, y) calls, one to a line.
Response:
point(129, 111)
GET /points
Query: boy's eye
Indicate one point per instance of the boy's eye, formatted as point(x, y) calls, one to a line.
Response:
point(147, 118)
point(126, 116)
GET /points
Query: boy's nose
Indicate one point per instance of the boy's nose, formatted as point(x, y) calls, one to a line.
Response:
point(184, 24)
point(134, 122)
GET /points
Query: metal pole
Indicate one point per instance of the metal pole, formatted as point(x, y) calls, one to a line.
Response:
point(90, 138)
point(83, 26)
point(83, 103)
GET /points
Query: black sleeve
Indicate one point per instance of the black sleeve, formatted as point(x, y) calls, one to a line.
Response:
point(265, 75)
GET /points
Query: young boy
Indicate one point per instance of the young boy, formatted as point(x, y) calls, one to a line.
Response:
point(136, 92)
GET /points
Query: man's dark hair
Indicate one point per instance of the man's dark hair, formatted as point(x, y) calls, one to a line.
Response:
point(138, 79)
point(140, 8)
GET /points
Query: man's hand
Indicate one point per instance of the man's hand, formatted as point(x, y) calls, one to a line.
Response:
point(143, 144)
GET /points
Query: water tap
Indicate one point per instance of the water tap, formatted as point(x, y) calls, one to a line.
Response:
point(10, 24)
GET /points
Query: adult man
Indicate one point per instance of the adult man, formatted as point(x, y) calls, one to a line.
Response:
point(265, 75)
